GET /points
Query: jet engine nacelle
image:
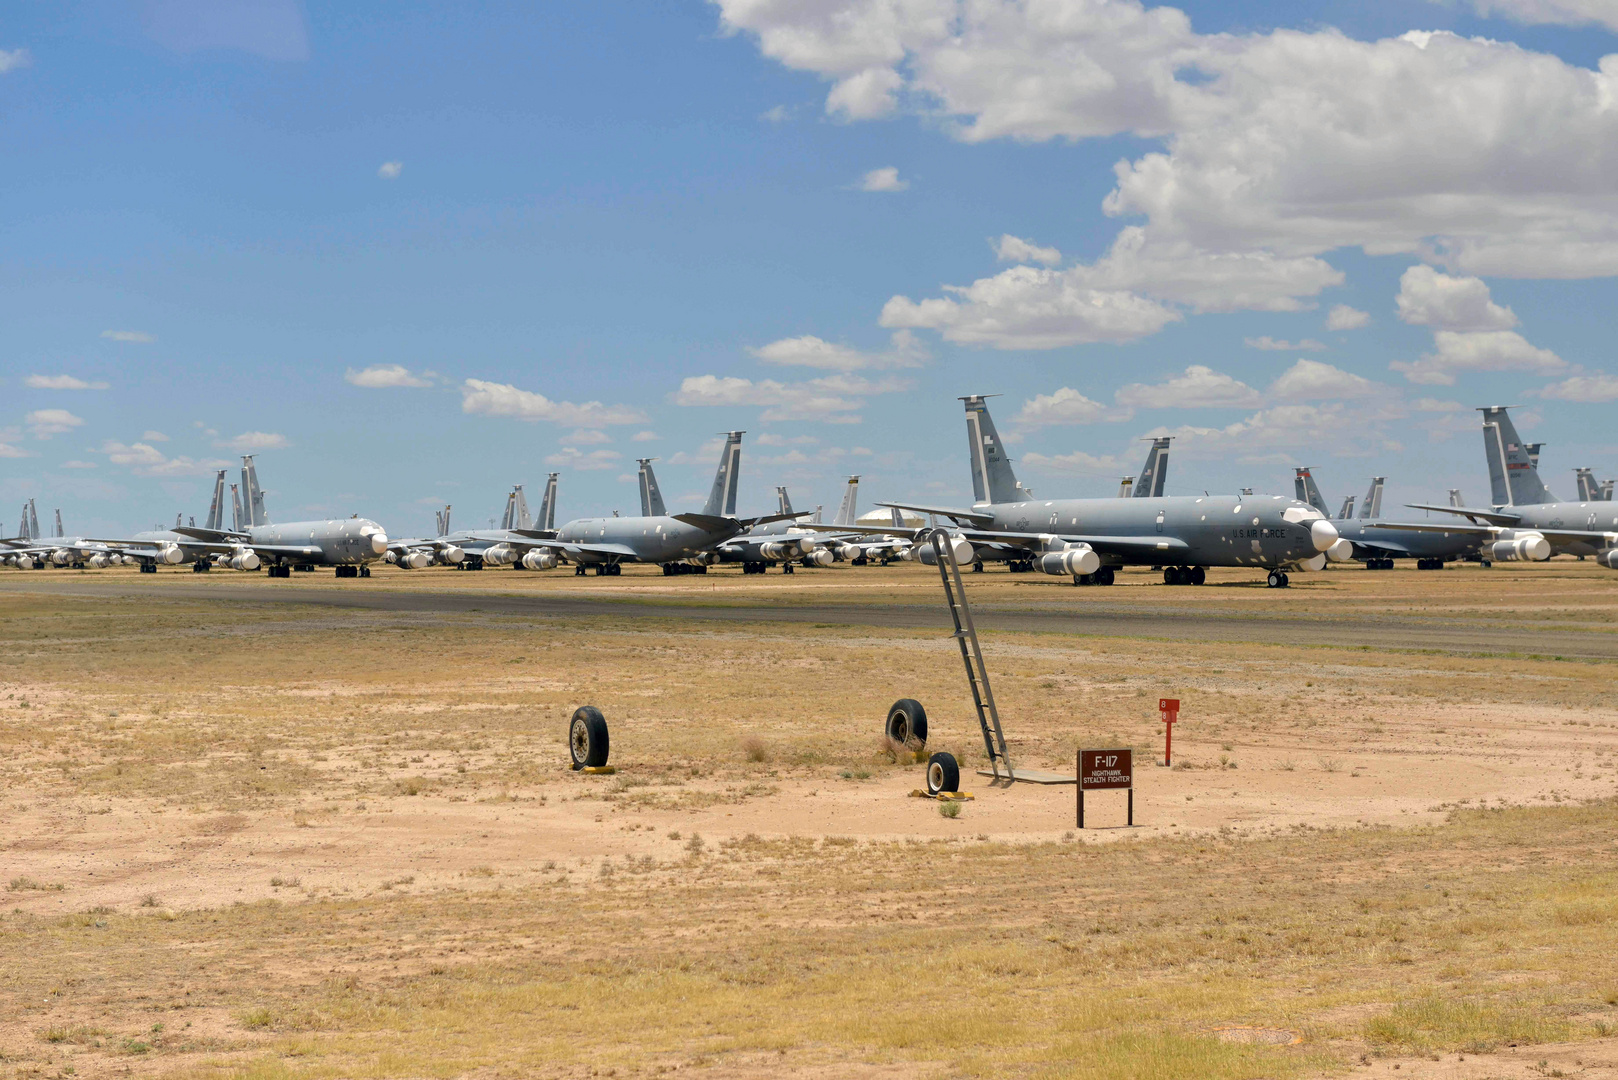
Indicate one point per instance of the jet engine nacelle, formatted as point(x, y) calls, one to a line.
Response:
point(963, 552)
point(415, 560)
point(1077, 559)
point(245, 559)
point(848, 552)
point(450, 555)
point(1609, 558)
point(821, 557)
point(705, 558)
point(97, 560)
point(776, 551)
point(498, 555)
point(539, 559)
point(391, 557)
point(1341, 551)
point(1529, 548)
point(61, 558)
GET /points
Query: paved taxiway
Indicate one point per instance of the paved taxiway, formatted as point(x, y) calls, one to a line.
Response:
point(1446, 633)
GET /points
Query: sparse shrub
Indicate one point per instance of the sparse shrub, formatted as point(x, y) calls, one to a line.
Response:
point(149, 900)
point(21, 884)
point(754, 749)
point(674, 834)
point(949, 808)
point(1287, 766)
point(862, 774)
point(695, 844)
point(256, 1018)
point(1330, 764)
point(285, 883)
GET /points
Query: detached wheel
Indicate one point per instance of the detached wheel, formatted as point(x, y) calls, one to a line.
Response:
point(587, 738)
point(943, 774)
point(907, 723)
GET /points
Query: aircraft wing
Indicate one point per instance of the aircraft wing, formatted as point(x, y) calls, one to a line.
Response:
point(623, 551)
point(1554, 535)
point(1135, 546)
point(714, 523)
point(1493, 517)
point(954, 513)
point(1455, 528)
point(1385, 549)
point(279, 549)
point(534, 534)
point(216, 536)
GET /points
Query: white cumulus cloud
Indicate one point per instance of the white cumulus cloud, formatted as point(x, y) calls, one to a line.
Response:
point(573, 458)
point(1557, 12)
point(1075, 463)
point(1595, 387)
point(390, 170)
point(644, 436)
point(153, 436)
point(1015, 249)
point(1455, 352)
point(1198, 388)
point(883, 179)
point(1066, 406)
point(379, 376)
point(482, 398)
point(1270, 344)
point(832, 399)
point(585, 437)
point(1343, 317)
point(47, 422)
point(1429, 298)
point(12, 59)
point(252, 441)
point(62, 382)
point(144, 459)
point(138, 337)
point(1310, 380)
point(810, 351)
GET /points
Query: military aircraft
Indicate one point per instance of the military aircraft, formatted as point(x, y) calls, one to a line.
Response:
point(1526, 522)
point(474, 549)
point(32, 551)
point(782, 541)
point(680, 543)
point(1376, 547)
point(348, 544)
point(1089, 538)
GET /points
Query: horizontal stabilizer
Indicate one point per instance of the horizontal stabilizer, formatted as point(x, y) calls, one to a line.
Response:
point(216, 536)
point(1493, 517)
point(943, 511)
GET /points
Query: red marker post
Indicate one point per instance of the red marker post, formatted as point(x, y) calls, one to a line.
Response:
point(1170, 710)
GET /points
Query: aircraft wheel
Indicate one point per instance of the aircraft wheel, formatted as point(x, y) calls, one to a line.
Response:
point(587, 738)
point(907, 723)
point(1286, 580)
point(977, 566)
point(943, 774)
point(365, 571)
point(1103, 576)
point(1275, 579)
point(1199, 576)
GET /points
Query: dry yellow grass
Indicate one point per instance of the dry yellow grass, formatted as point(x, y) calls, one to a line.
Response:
point(649, 935)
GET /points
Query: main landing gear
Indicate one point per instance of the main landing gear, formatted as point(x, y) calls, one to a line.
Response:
point(1100, 577)
point(1386, 564)
point(280, 570)
point(1279, 580)
point(1184, 575)
point(1436, 564)
point(353, 571)
point(609, 570)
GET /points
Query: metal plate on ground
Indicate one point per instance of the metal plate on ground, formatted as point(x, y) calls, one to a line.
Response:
point(1036, 776)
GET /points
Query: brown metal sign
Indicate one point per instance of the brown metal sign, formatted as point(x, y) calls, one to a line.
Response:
point(1100, 770)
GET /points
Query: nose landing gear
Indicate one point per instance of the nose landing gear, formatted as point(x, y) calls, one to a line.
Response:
point(1279, 580)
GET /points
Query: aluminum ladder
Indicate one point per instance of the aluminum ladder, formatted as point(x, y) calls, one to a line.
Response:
point(977, 675)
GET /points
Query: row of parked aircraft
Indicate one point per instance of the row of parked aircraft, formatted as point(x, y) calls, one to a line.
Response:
point(1087, 539)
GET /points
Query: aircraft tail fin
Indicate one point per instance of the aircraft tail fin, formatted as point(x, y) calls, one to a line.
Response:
point(1589, 490)
point(216, 508)
point(507, 514)
point(816, 518)
point(33, 521)
point(237, 518)
point(179, 519)
point(1455, 497)
point(1606, 490)
point(1155, 473)
point(1532, 449)
point(651, 497)
point(992, 478)
point(252, 494)
point(783, 502)
point(22, 527)
point(59, 531)
point(521, 520)
point(849, 510)
point(1308, 491)
point(1126, 486)
point(547, 506)
point(1347, 511)
point(1512, 476)
point(1371, 505)
point(722, 499)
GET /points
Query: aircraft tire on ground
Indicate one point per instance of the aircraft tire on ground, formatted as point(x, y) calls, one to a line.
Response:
point(1275, 579)
point(1103, 576)
point(1199, 576)
point(977, 566)
point(587, 741)
point(365, 571)
point(907, 723)
point(943, 774)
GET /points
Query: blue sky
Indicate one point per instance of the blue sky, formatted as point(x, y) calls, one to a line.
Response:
point(413, 255)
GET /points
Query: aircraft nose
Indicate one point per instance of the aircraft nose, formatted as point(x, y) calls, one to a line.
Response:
point(1323, 534)
point(379, 542)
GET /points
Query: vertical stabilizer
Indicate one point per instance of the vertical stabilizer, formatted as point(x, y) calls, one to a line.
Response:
point(651, 497)
point(444, 531)
point(547, 505)
point(216, 508)
point(252, 494)
point(992, 478)
point(1371, 505)
point(1155, 473)
point(849, 510)
point(238, 520)
point(1589, 489)
point(783, 501)
point(22, 526)
point(1606, 490)
point(59, 523)
point(521, 519)
point(818, 509)
point(508, 516)
point(179, 519)
point(1455, 497)
point(1532, 450)
point(33, 521)
point(1512, 477)
point(722, 499)
point(1308, 491)
point(1126, 486)
point(1347, 511)
point(898, 518)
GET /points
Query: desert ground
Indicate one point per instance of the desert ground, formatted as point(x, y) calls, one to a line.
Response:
point(319, 828)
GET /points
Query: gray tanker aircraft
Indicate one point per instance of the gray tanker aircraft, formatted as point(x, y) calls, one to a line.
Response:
point(30, 550)
point(680, 543)
point(169, 547)
point(472, 549)
point(1376, 545)
point(348, 544)
point(1089, 538)
point(1527, 522)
